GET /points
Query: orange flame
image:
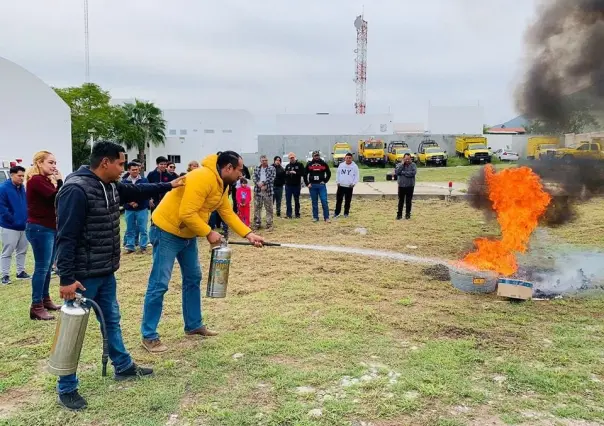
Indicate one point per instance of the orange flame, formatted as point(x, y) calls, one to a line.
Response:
point(519, 200)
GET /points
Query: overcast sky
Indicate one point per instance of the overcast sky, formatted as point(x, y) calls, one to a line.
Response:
point(272, 56)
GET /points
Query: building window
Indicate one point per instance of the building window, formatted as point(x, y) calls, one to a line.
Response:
point(227, 131)
point(183, 132)
point(172, 132)
point(208, 131)
point(174, 159)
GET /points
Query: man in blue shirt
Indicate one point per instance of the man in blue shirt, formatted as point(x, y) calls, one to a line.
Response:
point(13, 216)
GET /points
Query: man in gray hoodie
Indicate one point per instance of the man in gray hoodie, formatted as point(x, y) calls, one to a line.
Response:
point(405, 173)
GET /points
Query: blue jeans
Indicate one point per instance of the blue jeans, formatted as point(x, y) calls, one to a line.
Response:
point(136, 228)
point(292, 191)
point(42, 240)
point(168, 248)
point(103, 291)
point(319, 191)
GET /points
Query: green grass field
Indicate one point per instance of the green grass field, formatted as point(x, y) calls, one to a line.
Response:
point(460, 174)
point(318, 338)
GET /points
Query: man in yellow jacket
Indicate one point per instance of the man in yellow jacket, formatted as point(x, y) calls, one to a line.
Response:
point(180, 218)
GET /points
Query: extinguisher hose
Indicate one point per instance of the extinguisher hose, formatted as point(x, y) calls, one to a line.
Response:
point(101, 317)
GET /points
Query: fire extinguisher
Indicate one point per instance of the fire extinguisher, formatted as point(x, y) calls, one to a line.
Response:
point(69, 336)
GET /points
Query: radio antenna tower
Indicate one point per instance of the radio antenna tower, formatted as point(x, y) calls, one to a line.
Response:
point(86, 42)
point(361, 63)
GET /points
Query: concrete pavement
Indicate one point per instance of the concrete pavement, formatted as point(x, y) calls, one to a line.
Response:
point(389, 189)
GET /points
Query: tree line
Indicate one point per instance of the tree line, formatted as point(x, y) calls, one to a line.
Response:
point(135, 125)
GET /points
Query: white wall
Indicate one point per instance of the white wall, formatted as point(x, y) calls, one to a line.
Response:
point(334, 124)
point(497, 142)
point(192, 134)
point(455, 120)
point(32, 118)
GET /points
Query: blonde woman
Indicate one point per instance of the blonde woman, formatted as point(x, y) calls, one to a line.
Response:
point(41, 230)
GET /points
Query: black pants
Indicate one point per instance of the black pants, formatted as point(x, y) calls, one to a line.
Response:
point(405, 197)
point(234, 198)
point(346, 194)
point(277, 197)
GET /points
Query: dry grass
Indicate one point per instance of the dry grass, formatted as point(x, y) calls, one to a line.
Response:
point(423, 353)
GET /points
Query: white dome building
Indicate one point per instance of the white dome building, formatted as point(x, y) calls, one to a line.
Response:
point(32, 118)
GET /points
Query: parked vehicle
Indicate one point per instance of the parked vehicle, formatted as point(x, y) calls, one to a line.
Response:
point(429, 153)
point(340, 149)
point(539, 146)
point(372, 151)
point(584, 149)
point(473, 148)
point(5, 166)
point(506, 155)
point(396, 151)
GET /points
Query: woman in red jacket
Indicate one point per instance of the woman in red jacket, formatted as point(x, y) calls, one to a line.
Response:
point(41, 230)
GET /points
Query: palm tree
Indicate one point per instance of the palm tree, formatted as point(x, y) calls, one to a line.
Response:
point(142, 124)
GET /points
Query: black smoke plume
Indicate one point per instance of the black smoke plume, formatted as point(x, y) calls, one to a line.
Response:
point(565, 51)
point(569, 182)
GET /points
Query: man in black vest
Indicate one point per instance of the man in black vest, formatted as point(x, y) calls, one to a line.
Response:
point(88, 249)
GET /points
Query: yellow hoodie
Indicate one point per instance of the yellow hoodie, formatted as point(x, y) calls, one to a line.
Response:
point(185, 211)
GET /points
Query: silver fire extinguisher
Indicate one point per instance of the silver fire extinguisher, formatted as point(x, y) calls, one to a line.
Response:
point(220, 263)
point(69, 336)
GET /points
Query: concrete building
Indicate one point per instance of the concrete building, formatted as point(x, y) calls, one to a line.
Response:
point(32, 118)
point(191, 134)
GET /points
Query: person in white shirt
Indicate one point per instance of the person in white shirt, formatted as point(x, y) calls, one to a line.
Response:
point(346, 178)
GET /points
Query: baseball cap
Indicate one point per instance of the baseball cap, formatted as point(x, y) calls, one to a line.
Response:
point(316, 153)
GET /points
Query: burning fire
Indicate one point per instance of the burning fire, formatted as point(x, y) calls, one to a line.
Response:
point(519, 200)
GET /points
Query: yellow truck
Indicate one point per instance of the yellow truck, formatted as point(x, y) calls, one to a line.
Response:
point(429, 153)
point(396, 151)
point(584, 149)
point(541, 146)
point(372, 152)
point(473, 148)
point(340, 149)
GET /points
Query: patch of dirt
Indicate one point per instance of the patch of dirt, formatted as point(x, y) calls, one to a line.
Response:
point(453, 332)
point(14, 399)
point(28, 341)
point(438, 272)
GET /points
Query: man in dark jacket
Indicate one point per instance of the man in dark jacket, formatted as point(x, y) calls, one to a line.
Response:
point(13, 216)
point(294, 173)
point(316, 176)
point(88, 250)
point(159, 175)
point(405, 172)
point(278, 183)
point(137, 214)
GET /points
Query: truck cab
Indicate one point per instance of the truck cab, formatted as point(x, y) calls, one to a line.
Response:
point(429, 153)
point(372, 152)
point(474, 149)
point(583, 149)
point(396, 151)
point(340, 149)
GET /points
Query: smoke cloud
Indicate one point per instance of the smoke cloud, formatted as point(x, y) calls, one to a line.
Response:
point(569, 182)
point(564, 51)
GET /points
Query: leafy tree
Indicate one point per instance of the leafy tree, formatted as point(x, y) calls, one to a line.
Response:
point(90, 109)
point(577, 118)
point(140, 124)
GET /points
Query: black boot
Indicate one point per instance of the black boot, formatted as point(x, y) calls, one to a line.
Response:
point(133, 372)
point(72, 401)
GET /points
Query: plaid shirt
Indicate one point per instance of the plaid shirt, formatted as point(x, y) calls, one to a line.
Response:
point(268, 184)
